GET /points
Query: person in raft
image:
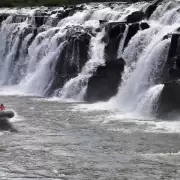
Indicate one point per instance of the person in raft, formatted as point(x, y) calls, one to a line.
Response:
point(2, 108)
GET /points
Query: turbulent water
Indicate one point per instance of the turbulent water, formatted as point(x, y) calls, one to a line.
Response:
point(46, 64)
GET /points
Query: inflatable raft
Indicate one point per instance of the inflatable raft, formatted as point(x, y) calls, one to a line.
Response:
point(6, 114)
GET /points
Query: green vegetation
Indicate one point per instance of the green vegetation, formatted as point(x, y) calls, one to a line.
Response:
point(13, 3)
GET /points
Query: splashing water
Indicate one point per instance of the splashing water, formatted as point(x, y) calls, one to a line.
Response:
point(147, 106)
point(76, 87)
point(37, 81)
point(140, 77)
point(27, 59)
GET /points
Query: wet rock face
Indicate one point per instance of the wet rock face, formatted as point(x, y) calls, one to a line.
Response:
point(105, 81)
point(169, 101)
point(114, 33)
point(132, 30)
point(22, 35)
point(172, 66)
point(72, 59)
point(74, 54)
point(135, 17)
point(3, 17)
point(149, 11)
point(41, 17)
point(174, 70)
point(39, 20)
point(114, 29)
point(144, 26)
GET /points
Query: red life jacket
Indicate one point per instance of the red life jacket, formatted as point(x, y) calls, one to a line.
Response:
point(2, 108)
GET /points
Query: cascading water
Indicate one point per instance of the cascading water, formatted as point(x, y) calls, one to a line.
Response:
point(75, 88)
point(122, 59)
point(10, 39)
point(57, 53)
point(28, 61)
point(139, 77)
point(121, 44)
point(37, 81)
point(134, 50)
point(148, 104)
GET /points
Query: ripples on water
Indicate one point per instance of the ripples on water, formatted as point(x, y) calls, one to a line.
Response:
point(51, 139)
point(58, 140)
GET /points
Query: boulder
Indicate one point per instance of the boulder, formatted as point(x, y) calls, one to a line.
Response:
point(74, 54)
point(39, 20)
point(174, 68)
point(102, 21)
point(72, 58)
point(173, 45)
point(113, 29)
point(144, 25)
point(169, 101)
point(151, 8)
point(105, 81)
point(111, 49)
point(132, 30)
point(3, 17)
point(135, 17)
point(114, 33)
point(172, 64)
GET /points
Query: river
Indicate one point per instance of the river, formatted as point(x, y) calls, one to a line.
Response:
point(63, 140)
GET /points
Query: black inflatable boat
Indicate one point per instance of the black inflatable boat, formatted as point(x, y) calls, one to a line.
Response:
point(6, 114)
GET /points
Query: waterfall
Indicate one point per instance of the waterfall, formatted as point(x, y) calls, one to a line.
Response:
point(75, 88)
point(140, 75)
point(37, 81)
point(148, 104)
point(11, 38)
point(72, 52)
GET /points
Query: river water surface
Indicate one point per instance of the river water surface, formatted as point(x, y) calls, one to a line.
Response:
point(61, 140)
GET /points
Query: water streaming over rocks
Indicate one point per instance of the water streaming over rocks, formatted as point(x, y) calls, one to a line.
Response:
point(77, 52)
point(54, 61)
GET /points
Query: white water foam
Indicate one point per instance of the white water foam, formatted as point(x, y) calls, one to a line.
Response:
point(146, 106)
point(144, 56)
point(148, 67)
point(29, 73)
point(16, 117)
point(74, 88)
point(39, 76)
